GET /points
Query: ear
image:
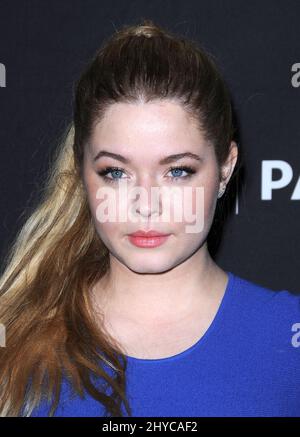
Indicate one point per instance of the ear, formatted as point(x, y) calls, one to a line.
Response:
point(228, 166)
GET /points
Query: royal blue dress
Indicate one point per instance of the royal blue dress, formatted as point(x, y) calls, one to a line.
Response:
point(246, 364)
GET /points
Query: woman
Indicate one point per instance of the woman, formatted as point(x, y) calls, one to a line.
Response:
point(113, 316)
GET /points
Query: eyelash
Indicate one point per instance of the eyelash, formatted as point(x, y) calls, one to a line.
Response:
point(107, 170)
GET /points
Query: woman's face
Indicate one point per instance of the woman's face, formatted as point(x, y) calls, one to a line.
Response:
point(145, 134)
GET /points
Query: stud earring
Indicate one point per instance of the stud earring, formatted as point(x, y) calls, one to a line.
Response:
point(221, 191)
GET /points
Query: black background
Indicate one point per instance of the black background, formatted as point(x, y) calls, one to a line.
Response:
point(45, 44)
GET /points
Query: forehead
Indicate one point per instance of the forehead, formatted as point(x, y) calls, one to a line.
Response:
point(146, 131)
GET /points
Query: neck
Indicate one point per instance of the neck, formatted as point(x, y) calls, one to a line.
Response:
point(168, 296)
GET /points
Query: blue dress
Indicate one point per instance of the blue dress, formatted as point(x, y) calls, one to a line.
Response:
point(246, 364)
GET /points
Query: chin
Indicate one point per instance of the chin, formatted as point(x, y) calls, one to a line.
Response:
point(143, 265)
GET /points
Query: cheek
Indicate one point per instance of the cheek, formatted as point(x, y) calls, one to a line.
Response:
point(104, 224)
point(200, 199)
point(96, 205)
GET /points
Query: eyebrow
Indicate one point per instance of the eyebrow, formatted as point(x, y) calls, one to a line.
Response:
point(163, 161)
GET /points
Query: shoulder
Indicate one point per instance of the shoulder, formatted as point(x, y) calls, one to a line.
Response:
point(252, 290)
point(263, 303)
point(267, 320)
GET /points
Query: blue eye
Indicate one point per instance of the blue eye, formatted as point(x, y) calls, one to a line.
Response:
point(189, 170)
point(118, 173)
point(112, 170)
point(177, 170)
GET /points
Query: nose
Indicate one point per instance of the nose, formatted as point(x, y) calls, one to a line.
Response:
point(148, 202)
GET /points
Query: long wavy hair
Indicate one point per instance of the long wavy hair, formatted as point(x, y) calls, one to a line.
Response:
point(52, 331)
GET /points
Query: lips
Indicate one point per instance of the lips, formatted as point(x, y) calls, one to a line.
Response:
point(148, 239)
point(148, 234)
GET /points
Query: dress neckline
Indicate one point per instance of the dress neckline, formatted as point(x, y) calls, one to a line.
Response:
point(217, 321)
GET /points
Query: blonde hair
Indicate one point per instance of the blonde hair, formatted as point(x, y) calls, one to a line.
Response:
point(53, 333)
point(45, 300)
